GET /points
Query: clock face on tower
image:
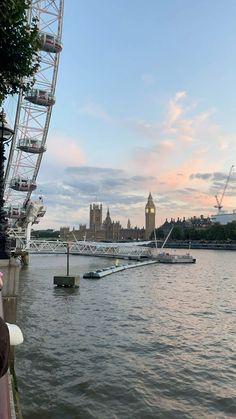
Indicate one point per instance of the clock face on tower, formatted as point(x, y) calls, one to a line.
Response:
point(150, 210)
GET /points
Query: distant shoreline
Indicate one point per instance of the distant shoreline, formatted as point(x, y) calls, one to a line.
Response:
point(197, 245)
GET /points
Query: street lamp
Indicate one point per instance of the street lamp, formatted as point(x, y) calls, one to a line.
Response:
point(6, 134)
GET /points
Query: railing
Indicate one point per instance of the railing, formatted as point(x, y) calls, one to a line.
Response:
point(118, 250)
point(5, 407)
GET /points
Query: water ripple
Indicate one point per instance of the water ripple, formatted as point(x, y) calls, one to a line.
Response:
point(157, 342)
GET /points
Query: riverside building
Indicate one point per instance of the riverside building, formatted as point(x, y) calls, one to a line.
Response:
point(109, 230)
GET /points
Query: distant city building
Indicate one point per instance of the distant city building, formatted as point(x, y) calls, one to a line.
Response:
point(95, 219)
point(224, 217)
point(109, 230)
point(185, 223)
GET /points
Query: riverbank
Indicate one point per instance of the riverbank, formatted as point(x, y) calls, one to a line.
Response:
point(199, 245)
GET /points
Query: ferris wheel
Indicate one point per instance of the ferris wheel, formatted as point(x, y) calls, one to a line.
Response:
point(32, 120)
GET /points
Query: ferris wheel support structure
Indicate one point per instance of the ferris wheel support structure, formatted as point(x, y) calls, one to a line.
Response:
point(32, 120)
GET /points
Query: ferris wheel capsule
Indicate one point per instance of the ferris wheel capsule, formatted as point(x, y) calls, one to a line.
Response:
point(50, 43)
point(30, 145)
point(42, 212)
point(15, 212)
point(22, 184)
point(40, 97)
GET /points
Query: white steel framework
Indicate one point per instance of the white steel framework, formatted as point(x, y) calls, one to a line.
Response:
point(33, 117)
point(88, 248)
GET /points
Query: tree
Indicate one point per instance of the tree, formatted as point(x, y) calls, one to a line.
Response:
point(177, 233)
point(192, 233)
point(160, 233)
point(19, 45)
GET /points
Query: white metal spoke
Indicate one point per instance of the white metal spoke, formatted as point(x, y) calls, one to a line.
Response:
point(32, 119)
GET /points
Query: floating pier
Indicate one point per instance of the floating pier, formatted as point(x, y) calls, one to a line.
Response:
point(100, 273)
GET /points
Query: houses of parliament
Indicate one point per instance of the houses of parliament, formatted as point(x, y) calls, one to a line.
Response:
point(108, 230)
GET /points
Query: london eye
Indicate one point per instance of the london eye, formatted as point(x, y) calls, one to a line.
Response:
point(32, 119)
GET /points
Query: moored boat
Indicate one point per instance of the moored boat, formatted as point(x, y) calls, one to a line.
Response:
point(166, 257)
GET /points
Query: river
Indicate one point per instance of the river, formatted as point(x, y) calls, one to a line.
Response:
point(154, 342)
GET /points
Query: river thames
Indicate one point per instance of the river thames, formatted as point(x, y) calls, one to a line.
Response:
point(158, 341)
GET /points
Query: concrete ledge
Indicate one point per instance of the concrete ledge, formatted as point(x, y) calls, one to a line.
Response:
point(10, 269)
point(9, 309)
point(67, 281)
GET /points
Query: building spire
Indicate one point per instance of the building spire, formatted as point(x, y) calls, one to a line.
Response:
point(150, 199)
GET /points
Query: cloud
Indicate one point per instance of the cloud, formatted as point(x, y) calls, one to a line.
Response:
point(186, 139)
point(203, 176)
point(143, 128)
point(179, 158)
point(94, 109)
point(81, 185)
point(103, 181)
point(64, 149)
point(171, 126)
point(175, 110)
point(215, 176)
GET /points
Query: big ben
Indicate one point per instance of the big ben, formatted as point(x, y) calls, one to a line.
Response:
point(150, 213)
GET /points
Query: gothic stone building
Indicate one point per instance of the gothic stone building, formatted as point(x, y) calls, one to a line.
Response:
point(150, 215)
point(109, 230)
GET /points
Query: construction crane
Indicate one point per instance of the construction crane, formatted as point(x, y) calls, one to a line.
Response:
point(219, 201)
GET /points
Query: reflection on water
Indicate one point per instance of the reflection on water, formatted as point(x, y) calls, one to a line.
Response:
point(152, 342)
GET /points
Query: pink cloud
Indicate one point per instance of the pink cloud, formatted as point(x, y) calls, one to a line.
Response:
point(65, 150)
point(175, 110)
point(144, 128)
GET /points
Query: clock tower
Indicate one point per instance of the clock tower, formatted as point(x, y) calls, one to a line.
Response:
point(150, 213)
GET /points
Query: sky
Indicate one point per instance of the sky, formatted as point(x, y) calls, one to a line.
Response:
point(145, 102)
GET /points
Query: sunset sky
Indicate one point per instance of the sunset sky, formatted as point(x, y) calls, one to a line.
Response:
point(145, 102)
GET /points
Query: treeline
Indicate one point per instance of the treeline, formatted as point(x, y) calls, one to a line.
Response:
point(214, 232)
point(45, 234)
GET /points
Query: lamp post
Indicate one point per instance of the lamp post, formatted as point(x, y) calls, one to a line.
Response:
point(6, 134)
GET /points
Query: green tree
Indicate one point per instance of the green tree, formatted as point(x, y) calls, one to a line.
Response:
point(19, 45)
point(177, 233)
point(230, 230)
point(45, 234)
point(160, 233)
point(193, 233)
point(216, 232)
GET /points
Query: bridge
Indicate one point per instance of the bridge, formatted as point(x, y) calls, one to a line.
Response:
point(118, 250)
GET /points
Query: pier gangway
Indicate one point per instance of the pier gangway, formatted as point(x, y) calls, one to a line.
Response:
point(117, 250)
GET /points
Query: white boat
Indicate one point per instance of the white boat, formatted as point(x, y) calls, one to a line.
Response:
point(166, 257)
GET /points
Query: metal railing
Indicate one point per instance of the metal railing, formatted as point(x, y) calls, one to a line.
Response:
point(118, 250)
